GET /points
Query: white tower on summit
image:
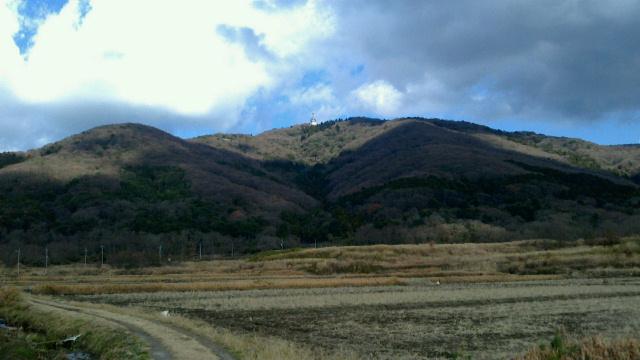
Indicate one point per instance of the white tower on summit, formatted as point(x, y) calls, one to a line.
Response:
point(313, 121)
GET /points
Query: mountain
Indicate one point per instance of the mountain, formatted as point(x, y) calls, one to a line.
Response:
point(117, 151)
point(318, 144)
point(134, 187)
point(421, 180)
point(354, 181)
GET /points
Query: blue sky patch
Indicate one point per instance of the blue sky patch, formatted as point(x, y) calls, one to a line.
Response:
point(357, 70)
point(84, 6)
point(32, 13)
point(314, 77)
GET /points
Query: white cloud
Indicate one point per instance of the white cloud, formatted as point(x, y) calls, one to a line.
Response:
point(153, 53)
point(321, 100)
point(320, 93)
point(379, 96)
point(9, 53)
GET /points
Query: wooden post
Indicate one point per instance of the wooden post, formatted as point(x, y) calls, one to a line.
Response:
point(18, 261)
point(101, 255)
point(85, 257)
point(46, 259)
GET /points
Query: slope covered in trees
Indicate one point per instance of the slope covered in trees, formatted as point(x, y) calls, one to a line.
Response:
point(133, 188)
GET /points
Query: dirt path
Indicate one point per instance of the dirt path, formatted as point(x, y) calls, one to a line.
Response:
point(165, 341)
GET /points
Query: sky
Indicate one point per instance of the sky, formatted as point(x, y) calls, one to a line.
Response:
point(193, 67)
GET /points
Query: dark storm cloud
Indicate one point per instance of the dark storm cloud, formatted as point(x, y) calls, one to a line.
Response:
point(565, 59)
point(26, 126)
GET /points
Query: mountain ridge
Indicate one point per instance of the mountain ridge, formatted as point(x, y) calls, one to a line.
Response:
point(352, 181)
point(574, 151)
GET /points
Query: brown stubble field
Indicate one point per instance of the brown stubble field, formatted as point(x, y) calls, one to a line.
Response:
point(404, 301)
point(422, 320)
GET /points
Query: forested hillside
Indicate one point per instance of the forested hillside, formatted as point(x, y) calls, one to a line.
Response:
point(132, 189)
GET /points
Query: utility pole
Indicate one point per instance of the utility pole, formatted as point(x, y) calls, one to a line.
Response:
point(85, 257)
point(200, 250)
point(232, 249)
point(101, 255)
point(18, 261)
point(213, 247)
point(46, 259)
point(160, 254)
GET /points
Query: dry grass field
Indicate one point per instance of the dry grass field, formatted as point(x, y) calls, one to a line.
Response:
point(422, 320)
point(403, 301)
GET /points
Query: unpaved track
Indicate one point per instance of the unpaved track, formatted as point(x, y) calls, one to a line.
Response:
point(165, 341)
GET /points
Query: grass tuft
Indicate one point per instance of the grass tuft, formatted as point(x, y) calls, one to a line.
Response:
point(562, 347)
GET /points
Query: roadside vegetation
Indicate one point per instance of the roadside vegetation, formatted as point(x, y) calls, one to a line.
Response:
point(562, 347)
point(37, 334)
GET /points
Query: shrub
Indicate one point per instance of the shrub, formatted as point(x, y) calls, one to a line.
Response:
point(9, 296)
